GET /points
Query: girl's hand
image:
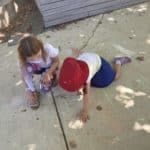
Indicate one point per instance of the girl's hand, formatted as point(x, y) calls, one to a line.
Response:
point(47, 78)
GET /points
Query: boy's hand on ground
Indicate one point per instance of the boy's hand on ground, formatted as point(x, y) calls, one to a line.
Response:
point(84, 115)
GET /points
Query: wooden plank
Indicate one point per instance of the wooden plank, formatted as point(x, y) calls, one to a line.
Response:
point(76, 7)
point(45, 2)
point(83, 14)
point(79, 11)
point(133, 2)
point(61, 4)
point(71, 4)
point(124, 3)
point(60, 11)
point(66, 19)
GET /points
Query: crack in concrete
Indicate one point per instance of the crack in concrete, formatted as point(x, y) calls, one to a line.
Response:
point(93, 33)
point(60, 121)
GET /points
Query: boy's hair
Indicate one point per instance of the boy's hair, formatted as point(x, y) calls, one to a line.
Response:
point(28, 47)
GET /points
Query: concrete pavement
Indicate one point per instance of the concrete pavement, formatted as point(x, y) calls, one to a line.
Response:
point(124, 121)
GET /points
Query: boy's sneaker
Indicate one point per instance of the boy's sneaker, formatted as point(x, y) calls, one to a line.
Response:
point(122, 60)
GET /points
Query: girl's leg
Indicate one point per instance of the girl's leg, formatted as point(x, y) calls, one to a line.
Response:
point(33, 99)
point(31, 94)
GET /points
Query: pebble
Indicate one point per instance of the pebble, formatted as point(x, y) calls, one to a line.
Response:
point(14, 76)
point(140, 58)
point(130, 37)
point(73, 144)
point(37, 118)
point(48, 36)
point(23, 110)
point(99, 107)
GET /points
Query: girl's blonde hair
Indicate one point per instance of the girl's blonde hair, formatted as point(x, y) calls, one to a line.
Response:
point(28, 47)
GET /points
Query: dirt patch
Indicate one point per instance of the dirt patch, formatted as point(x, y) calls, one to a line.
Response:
point(140, 58)
point(73, 144)
point(28, 20)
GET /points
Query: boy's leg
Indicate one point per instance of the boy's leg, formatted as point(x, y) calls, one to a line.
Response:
point(118, 62)
point(117, 68)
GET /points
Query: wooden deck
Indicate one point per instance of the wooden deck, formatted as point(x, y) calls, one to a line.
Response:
point(60, 11)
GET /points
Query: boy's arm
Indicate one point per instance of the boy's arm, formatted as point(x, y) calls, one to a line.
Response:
point(85, 109)
point(76, 52)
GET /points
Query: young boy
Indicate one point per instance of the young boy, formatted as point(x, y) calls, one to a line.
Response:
point(88, 69)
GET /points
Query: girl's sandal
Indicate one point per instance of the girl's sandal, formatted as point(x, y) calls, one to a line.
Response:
point(34, 103)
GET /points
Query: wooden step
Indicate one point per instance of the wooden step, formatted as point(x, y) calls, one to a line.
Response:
point(60, 11)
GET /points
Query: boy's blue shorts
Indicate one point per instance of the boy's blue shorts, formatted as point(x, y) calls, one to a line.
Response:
point(105, 76)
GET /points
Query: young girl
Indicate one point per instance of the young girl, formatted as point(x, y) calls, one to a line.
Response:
point(88, 69)
point(36, 58)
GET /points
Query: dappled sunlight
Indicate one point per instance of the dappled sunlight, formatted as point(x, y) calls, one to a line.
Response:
point(19, 83)
point(111, 19)
point(1, 9)
point(148, 40)
point(123, 50)
point(76, 124)
point(82, 35)
point(115, 140)
point(130, 9)
point(6, 20)
point(94, 19)
point(56, 126)
point(140, 94)
point(8, 12)
point(16, 7)
point(32, 147)
point(126, 96)
point(123, 89)
point(139, 127)
point(127, 101)
point(9, 53)
point(80, 94)
point(80, 98)
point(140, 8)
